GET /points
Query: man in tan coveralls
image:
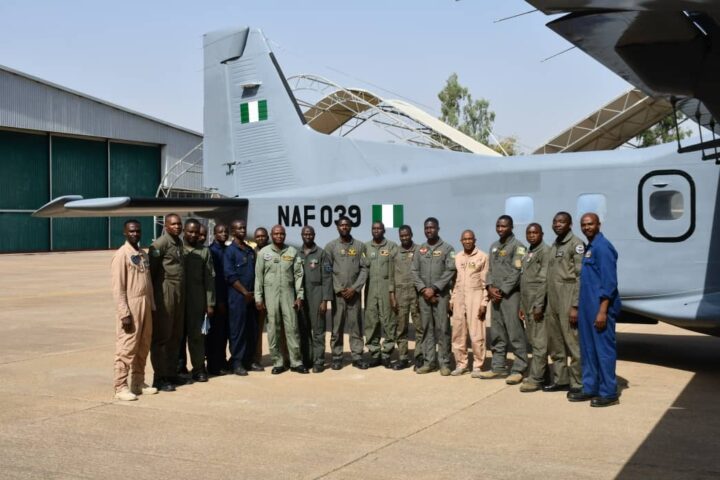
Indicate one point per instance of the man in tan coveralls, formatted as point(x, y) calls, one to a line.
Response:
point(533, 290)
point(406, 300)
point(133, 294)
point(469, 305)
point(563, 289)
point(167, 267)
point(279, 290)
point(379, 295)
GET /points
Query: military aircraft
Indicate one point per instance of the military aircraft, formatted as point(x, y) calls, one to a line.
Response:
point(658, 205)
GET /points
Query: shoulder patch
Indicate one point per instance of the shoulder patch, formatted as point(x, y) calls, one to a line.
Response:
point(452, 254)
point(580, 249)
point(328, 268)
point(518, 263)
point(520, 250)
point(267, 256)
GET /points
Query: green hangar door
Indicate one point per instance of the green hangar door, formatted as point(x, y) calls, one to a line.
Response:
point(134, 172)
point(79, 167)
point(35, 168)
point(24, 187)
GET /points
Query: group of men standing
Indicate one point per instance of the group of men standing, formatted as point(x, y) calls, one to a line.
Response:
point(534, 295)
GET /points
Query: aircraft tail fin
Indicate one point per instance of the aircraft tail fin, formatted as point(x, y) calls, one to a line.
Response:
point(251, 118)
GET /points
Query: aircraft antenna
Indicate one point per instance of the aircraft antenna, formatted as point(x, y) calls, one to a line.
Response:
point(514, 16)
point(557, 54)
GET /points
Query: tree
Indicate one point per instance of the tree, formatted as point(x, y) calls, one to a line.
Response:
point(458, 109)
point(661, 132)
point(508, 146)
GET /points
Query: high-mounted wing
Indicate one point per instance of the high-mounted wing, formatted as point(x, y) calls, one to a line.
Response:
point(667, 48)
point(77, 206)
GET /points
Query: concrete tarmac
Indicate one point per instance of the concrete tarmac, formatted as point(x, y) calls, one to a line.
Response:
point(59, 421)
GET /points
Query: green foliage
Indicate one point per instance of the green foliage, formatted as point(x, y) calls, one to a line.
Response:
point(459, 110)
point(661, 132)
point(508, 146)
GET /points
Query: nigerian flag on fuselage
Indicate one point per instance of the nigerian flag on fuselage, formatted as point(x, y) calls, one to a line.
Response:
point(252, 112)
point(390, 215)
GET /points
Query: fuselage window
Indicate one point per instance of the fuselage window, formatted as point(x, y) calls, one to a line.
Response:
point(667, 205)
point(591, 203)
point(521, 209)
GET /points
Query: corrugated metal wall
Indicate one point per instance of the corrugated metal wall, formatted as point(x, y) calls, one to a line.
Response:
point(31, 103)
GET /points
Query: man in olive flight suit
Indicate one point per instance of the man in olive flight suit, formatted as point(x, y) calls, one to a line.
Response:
point(318, 287)
point(279, 291)
point(406, 304)
point(503, 284)
point(563, 291)
point(167, 267)
point(199, 295)
point(379, 297)
point(349, 267)
point(533, 287)
point(433, 271)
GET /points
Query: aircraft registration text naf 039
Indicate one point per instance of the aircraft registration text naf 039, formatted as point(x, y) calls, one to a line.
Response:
point(301, 215)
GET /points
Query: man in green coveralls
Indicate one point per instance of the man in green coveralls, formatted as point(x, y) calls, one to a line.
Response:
point(199, 295)
point(503, 285)
point(563, 291)
point(349, 268)
point(379, 296)
point(167, 267)
point(318, 286)
point(279, 291)
point(533, 286)
point(406, 304)
point(433, 271)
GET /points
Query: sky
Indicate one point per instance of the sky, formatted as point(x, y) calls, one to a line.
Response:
point(147, 55)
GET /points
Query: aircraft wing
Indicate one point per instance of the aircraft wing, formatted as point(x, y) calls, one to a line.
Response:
point(77, 206)
point(666, 48)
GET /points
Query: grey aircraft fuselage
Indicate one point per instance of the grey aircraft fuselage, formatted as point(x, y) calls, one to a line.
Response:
point(658, 207)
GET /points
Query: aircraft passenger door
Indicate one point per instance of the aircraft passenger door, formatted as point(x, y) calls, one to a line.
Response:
point(666, 206)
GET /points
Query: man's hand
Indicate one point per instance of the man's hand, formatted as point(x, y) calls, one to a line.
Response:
point(427, 293)
point(601, 321)
point(210, 311)
point(481, 312)
point(323, 308)
point(127, 324)
point(249, 297)
point(298, 304)
point(260, 306)
point(521, 314)
point(495, 294)
point(393, 303)
point(538, 314)
point(573, 314)
point(348, 293)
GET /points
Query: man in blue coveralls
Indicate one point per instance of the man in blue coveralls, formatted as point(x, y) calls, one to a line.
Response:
point(599, 307)
point(239, 270)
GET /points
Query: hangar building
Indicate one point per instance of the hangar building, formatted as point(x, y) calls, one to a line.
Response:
point(55, 141)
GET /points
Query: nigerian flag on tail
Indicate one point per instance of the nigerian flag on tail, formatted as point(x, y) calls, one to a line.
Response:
point(390, 215)
point(252, 112)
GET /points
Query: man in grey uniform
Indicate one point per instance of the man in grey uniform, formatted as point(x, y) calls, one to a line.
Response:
point(563, 289)
point(317, 281)
point(533, 287)
point(379, 294)
point(503, 284)
point(349, 267)
point(406, 300)
point(433, 271)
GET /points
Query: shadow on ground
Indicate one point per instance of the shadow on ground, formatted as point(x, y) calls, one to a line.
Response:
point(681, 444)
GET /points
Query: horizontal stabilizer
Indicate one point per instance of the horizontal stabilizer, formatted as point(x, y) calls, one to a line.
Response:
point(76, 206)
